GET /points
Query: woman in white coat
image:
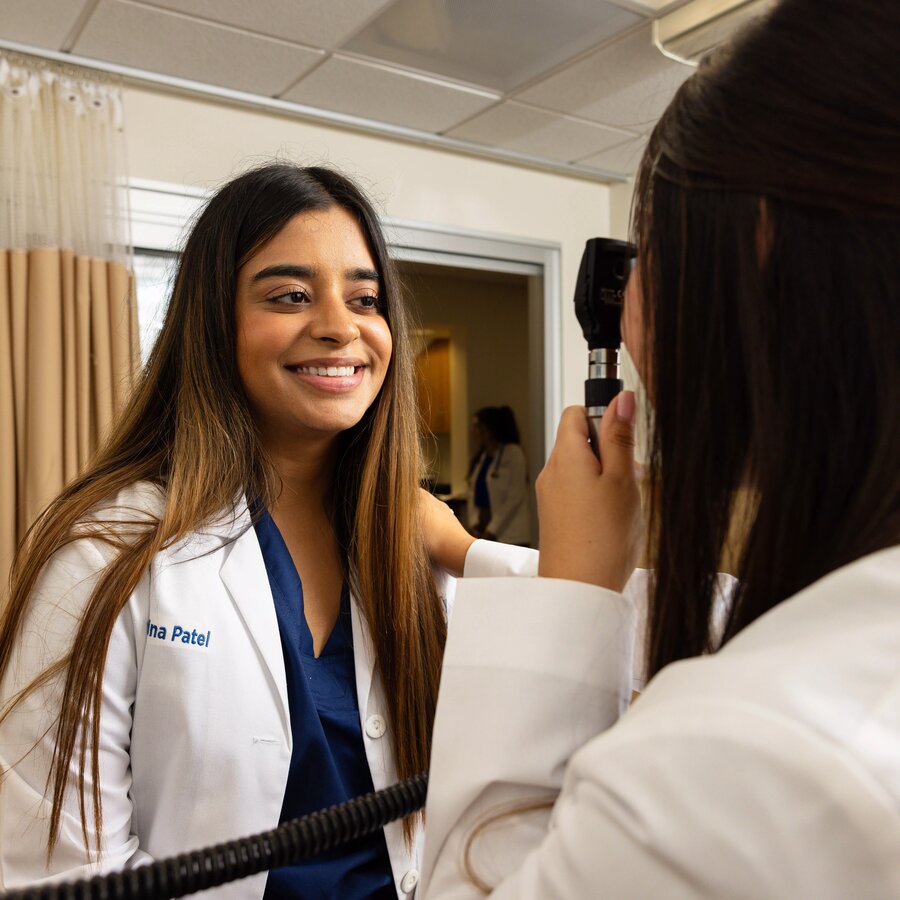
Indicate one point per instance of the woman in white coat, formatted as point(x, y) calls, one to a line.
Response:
point(499, 507)
point(232, 617)
point(763, 758)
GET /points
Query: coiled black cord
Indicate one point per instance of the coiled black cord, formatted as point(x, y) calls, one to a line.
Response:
point(286, 845)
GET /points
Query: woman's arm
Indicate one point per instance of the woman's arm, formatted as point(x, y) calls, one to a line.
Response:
point(454, 552)
point(445, 538)
point(28, 735)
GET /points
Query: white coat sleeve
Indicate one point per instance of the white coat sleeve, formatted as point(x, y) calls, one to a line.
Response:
point(484, 559)
point(684, 799)
point(489, 559)
point(27, 736)
point(499, 660)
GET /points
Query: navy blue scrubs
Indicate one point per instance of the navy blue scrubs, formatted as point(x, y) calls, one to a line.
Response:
point(328, 763)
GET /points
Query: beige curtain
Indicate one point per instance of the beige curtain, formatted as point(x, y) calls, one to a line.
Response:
point(68, 352)
point(68, 318)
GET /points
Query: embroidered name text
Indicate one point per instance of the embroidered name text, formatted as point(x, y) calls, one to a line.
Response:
point(185, 635)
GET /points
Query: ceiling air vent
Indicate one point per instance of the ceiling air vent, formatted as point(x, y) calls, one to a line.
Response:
point(690, 31)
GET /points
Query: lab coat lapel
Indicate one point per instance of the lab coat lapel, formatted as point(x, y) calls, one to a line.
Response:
point(244, 575)
point(363, 658)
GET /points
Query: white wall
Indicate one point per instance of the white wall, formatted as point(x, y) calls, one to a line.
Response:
point(201, 143)
point(620, 196)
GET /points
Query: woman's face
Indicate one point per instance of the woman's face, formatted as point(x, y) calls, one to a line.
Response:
point(479, 434)
point(313, 346)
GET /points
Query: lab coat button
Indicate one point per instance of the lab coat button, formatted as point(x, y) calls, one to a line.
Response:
point(375, 728)
point(410, 880)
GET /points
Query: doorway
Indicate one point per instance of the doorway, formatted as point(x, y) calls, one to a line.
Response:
point(476, 332)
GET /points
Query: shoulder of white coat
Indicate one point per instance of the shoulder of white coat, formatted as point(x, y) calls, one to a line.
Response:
point(638, 591)
point(60, 596)
point(824, 660)
point(143, 504)
point(134, 507)
point(513, 453)
point(96, 538)
point(145, 501)
point(702, 779)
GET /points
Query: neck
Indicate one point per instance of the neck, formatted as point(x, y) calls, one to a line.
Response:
point(306, 470)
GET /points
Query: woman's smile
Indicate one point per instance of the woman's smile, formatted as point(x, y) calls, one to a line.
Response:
point(330, 375)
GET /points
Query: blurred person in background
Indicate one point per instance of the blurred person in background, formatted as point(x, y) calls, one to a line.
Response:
point(499, 505)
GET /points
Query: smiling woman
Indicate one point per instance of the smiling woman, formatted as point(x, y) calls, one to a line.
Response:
point(254, 590)
point(313, 345)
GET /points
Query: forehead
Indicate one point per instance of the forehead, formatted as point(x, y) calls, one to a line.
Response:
point(326, 236)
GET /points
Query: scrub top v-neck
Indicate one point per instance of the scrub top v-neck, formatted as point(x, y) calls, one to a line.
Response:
point(328, 762)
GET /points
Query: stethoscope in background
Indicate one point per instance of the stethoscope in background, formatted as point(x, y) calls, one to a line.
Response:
point(289, 844)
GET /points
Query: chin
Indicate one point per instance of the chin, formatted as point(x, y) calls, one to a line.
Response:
point(333, 424)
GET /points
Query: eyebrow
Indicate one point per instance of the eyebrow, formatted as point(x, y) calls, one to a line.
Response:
point(292, 271)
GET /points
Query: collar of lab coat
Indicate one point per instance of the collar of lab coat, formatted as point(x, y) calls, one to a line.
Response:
point(245, 578)
point(244, 575)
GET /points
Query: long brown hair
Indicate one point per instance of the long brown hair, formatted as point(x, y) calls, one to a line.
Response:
point(768, 221)
point(188, 429)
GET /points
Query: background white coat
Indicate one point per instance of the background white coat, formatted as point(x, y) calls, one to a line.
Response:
point(508, 489)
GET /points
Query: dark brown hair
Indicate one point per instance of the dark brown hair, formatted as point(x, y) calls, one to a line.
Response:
point(500, 421)
point(188, 429)
point(767, 216)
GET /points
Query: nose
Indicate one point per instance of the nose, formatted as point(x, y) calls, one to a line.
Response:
point(332, 321)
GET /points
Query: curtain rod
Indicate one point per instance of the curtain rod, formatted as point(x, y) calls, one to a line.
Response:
point(184, 86)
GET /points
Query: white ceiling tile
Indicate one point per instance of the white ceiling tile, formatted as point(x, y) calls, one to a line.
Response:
point(626, 84)
point(377, 92)
point(317, 23)
point(143, 38)
point(649, 7)
point(499, 44)
point(537, 133)
point(42, 23)
point(622, 158)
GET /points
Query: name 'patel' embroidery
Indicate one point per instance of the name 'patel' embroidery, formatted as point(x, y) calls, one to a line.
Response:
point(179, 633)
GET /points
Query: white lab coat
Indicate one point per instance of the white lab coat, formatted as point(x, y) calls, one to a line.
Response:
point(770, 769)
point(196, 736)
point(507, 484)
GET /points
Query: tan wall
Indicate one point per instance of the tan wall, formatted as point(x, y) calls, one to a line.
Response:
point(200, 143)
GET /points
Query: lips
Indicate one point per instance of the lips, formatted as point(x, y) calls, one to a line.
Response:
point(327, 362)
point(329, 371)
point(330, 377)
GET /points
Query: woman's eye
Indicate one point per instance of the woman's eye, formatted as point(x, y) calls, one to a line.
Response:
point(290, 298)
point(369, 301)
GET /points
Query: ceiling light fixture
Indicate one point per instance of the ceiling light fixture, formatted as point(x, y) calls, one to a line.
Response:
point(692, 30)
